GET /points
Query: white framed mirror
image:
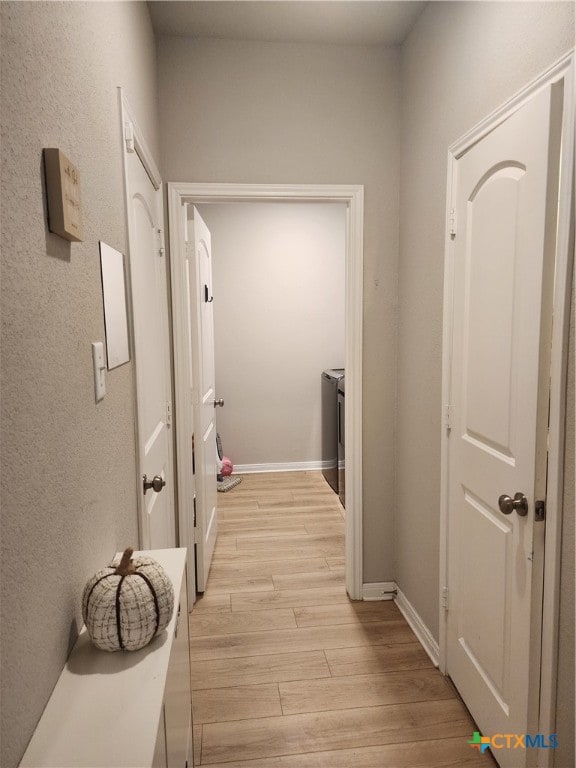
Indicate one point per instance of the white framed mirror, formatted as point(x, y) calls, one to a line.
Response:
point(115, 314)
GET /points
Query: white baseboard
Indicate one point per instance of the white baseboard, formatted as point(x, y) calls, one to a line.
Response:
point(383, 590)
point(388, 590)
point(418, 627)
point(293, 466)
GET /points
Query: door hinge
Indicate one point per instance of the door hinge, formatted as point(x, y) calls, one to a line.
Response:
point(168, 414)
point(452, 222)
point(448, 416)
point(444, 598)
point(161, 246)
point(129, 137)
point(540, 511)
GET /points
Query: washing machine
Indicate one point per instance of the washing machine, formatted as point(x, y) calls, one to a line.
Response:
point(330, 379)
point(341, 440)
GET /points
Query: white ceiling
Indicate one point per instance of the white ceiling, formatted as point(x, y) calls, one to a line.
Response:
point(346, 22)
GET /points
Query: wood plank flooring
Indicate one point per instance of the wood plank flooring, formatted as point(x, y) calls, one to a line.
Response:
point(287, 672)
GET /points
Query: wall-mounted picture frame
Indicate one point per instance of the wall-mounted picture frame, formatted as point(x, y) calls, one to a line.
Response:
point(63, 196)
point(115, 312)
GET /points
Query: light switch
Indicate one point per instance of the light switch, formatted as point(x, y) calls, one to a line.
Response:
point(99, 369)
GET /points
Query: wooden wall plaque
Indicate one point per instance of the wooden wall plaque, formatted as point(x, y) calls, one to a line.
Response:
point(63, 194)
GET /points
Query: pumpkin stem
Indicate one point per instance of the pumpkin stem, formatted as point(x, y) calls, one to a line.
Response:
point(126, 565)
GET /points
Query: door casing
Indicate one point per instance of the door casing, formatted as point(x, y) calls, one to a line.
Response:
point(181, 194)
point(544, 674)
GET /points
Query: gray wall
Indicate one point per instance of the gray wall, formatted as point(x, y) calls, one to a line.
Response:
point(286, 113)
point(279, 287)
point(68, 464)
point(450, 81)
point(245, 112)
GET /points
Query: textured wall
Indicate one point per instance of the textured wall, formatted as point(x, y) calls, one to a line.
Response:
point(460, 62)
point(68, 464)
point(284, 113)
point(279, 321)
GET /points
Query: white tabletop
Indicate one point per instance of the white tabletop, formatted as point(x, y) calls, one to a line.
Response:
point(105, 709)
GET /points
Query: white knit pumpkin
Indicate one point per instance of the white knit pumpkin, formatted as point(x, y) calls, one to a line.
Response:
point(127, 604)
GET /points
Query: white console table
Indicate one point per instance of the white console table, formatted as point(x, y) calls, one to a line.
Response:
point(122, 709)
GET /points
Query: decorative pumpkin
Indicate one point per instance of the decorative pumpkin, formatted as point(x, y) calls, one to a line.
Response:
point(127, 604)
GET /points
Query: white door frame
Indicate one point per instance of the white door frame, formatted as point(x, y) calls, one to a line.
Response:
point(132, 140)
point(543, 675)
point(353, 196)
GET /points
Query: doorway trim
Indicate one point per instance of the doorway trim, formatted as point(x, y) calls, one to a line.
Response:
point(179, 195)
point(543, 674)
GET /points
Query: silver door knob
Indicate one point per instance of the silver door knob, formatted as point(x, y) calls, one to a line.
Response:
point(219, 402)
point(518, 503)
point(156, 484)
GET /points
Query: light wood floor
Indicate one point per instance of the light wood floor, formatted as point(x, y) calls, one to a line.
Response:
point(287, 672)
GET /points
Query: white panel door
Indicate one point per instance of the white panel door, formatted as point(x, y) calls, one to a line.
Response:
point(505, 217)
point(203, 393)
point(152, 356)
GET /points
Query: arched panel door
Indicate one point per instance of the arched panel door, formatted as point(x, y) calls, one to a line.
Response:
point(152, 358)
point(506, 193)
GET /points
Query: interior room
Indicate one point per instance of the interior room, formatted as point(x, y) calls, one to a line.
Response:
point(381, 105)
point(278, 282)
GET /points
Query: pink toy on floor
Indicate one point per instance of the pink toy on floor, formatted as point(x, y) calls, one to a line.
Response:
point(227, 466)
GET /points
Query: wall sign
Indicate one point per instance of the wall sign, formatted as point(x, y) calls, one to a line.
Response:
point(63, 194)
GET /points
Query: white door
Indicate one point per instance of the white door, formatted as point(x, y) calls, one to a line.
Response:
point(152, 356)
point(505, 197)
point(199, 256)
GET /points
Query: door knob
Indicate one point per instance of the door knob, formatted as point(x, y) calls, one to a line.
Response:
point(156, 483)
point(518, 503)
point(219, 402)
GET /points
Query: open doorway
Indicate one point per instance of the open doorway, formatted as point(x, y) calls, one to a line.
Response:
point(351, 197)
point(278, 273)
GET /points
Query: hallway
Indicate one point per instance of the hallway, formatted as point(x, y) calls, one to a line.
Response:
point(287, 672)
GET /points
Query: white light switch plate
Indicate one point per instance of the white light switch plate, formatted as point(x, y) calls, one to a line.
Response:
point(99, 369)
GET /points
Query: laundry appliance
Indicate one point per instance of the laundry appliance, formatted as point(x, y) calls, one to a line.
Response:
point(330, 379)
